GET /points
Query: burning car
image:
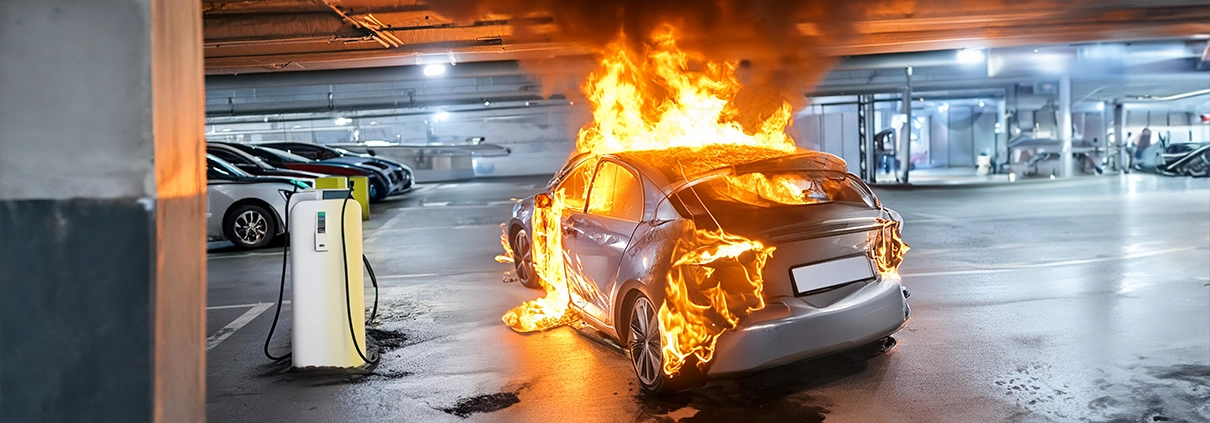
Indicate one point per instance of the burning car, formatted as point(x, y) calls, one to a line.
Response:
point(698, 234)
point(793, 249)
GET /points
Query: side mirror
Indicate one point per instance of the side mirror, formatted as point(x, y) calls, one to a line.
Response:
point(542, 200)
point(371, 152)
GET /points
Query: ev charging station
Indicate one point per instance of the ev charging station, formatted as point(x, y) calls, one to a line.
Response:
point(328, 299)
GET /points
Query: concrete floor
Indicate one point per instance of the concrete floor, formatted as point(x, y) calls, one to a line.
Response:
point(1083, 300)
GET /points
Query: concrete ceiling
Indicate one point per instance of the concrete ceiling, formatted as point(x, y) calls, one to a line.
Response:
point(252, 36)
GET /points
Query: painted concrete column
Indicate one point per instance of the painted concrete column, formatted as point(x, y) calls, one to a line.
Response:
point(102, 211)
point(1068, 169)
point(905, 141)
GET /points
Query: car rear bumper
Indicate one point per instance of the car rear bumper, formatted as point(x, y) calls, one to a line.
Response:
point(793, 329)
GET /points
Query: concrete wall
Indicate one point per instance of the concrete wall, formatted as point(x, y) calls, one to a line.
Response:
point(102, 211)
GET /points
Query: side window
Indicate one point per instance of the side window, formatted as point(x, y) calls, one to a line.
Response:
point(228, 156)
point(616, 193)
point(574, 187)
point(214, 171)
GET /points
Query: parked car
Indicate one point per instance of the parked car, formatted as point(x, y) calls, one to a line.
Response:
point(1163, 157)
point(245, 209)
point(821, 290)
point(255, 165)
point(398, 172)
point(380, 186)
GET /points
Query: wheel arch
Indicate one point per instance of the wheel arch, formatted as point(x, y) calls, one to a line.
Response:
point(279, 227)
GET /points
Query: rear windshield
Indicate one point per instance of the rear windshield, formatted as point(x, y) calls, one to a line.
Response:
point(769, 189)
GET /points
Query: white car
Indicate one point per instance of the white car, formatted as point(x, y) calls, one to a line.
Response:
point(244, 209)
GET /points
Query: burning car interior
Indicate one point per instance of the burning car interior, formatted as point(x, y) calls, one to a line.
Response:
point(649, 211)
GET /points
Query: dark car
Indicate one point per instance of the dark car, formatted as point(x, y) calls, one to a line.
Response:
point(254, 165)
point(379, 186)
point(627, 217)
point(398, 172)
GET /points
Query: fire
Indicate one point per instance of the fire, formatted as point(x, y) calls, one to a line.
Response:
point(507, 257)
point(715, 280)
point(550, 310)
point(887, 248)
point(673, 103)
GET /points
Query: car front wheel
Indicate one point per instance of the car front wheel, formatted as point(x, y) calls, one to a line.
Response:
point(250, 226)
point(523, 260)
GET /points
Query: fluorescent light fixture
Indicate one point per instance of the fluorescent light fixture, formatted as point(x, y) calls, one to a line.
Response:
point(981, 104)
point(297, 126)
point(434, 70)
point(441, 115)
point(487, 103)
point(970, 55)
point(343, 121)
point(373, 122)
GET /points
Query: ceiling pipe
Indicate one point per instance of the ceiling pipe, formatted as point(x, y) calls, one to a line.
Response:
point(1181, 96)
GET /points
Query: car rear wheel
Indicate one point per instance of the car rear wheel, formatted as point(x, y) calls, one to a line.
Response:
point(645, 344)
point(250, 226)
point(523, 260)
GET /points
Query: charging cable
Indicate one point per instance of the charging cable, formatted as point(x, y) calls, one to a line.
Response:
point(348, 300)
point(281, 289)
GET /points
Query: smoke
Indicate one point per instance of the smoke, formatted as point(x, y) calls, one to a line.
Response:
point(776, 41)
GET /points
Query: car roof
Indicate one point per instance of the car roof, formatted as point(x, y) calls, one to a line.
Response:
point(670, 167)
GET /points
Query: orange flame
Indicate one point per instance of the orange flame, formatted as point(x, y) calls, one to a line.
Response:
point(715, 280)
point(550, 310)
point(887, 248)
point(507, 257)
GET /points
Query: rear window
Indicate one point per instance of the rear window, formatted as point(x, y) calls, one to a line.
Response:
point(768, 189)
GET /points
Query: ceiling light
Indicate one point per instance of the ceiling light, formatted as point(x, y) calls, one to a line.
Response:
point(981, 104)
point(487, 103)
point(373, 122)
point(970, 55)
point(297, 126)
point(434, 70)
point(227, 130)
point(343, 121)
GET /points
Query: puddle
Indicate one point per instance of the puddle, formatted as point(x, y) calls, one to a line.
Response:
point(483, 404)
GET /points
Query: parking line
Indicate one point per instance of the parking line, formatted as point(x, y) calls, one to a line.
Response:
point(1023, 266)
point(224, 307)
point(435, 204)
point(235, 325)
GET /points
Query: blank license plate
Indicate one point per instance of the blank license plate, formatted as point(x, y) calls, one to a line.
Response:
point(831, 273)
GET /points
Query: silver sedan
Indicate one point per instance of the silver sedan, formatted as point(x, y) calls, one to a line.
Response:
point(627, 217)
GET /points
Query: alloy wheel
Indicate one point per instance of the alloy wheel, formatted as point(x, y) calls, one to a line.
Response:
point(251, 227)
point(525, 259)
point(644, 342)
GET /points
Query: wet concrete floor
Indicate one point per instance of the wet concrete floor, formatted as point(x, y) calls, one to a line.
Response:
point(1084, 300)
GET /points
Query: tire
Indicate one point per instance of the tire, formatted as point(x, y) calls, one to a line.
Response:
point(378, 191)
point(250, 226)
point(523, 260)
point(644, 347)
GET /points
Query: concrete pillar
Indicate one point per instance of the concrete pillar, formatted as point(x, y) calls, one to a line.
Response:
point(1002, 132)
point(102, 211)
point(1120, 162)
point(905, 141)
point(1068, 166)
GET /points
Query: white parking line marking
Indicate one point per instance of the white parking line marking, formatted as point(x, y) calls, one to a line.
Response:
point(237, 255)
point(224, 307)
point(235, 325)
point(435, 204)
point(429, 275)
point(500, 203)
point(1023, 266)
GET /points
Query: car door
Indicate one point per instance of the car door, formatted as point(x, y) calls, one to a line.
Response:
point(602, 233)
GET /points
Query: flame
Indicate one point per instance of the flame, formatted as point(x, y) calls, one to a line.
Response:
point(653, 101)
point(887, 248)
point(715, 280)
point(673, 104)
point(549, 311)
point(507, 257)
